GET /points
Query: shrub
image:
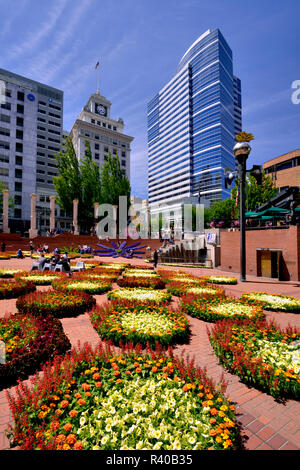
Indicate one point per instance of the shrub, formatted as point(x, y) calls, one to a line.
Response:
point(29, 342)
point(14, 288)
point(107, 400)
point(214, 309)
point(137, 324)
point(262, 354)
point(58, 304)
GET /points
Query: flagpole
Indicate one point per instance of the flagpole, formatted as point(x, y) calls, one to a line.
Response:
point(98, 77)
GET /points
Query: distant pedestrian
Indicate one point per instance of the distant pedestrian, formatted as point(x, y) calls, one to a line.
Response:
point(3, 246)
point(155, 258)
point(31, 248)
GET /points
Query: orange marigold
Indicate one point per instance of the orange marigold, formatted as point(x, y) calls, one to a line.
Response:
point(64, 404)
point(85, 386)
point(78, 445)
point(68, 427)
point(71, 439)
point(60, 439)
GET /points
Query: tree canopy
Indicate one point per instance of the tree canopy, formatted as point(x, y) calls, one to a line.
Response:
point(84, 181)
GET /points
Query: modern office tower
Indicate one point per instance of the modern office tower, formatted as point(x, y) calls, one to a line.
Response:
point(104, 134)
point(192, 122)
point(31, 115)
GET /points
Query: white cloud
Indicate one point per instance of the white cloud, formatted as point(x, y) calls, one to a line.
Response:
point(34, 38)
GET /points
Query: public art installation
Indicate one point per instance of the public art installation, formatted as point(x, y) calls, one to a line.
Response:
point(120, 249)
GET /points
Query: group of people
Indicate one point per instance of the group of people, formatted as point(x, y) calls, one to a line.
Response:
point(55, 231)
point(55, 260)
point(84, 249)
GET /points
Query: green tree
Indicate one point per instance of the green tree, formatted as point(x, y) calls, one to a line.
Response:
point(90, 188)
point(113, 183)
point(68, 182)
point(258, 194)
point(219, 211)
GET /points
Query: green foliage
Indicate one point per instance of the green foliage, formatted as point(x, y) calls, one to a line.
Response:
point(258, 194)
point(114, 184)
point(221, 211)
point(84, 182)
point(68, 183)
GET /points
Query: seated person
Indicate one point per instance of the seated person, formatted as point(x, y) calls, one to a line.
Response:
point(41, 263)
point(55, 259)
point(19, 253)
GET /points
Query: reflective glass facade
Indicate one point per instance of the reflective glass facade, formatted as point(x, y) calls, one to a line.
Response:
point(192, 122)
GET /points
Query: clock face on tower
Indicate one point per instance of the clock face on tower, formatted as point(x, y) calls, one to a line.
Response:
point(100, 109)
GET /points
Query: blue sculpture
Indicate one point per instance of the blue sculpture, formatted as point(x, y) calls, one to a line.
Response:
point(121, 250)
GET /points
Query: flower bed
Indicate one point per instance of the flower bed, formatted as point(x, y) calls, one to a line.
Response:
point(274, 302)
point(220, 279)
point(9, 273)
point(14, 288)
point(117, 266)
point(139, 324)
point(111, 276)
point(145, 295)
point(213, 309)
point(101, 400)
point(29, 342)
point(152, 282)
point(56, 303)
point(39, 278)
point(139, 273)
point(180, 288)
point(261, 354)
point(85, 284)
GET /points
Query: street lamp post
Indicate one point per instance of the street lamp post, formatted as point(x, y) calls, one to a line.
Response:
point(241, 151)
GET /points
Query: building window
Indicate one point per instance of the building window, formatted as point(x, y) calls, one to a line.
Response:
point(20, 108)
point(97, 156)
point(114, 128)
point(19, 160)
point(4, 172)
point(19, 134)
point(123, 154)
point(42, 198)
point(5, 118)
point(20, 96)
point(106, 149)
point(104, 124)
point(114, 151)
point(18, 187)
point(17, 213)
point(123, 162)
point(109, 126)
point(4, 158)
point(18, 200)
point(93, 121)
point(96, 146)
point(19, 147)
point(18, 173)
point(20, 121)
point(4, 131)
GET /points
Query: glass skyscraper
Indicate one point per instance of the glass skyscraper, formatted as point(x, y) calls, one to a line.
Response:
point(192, 123)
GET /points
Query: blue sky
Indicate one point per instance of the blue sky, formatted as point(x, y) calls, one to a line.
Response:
point(139, 44)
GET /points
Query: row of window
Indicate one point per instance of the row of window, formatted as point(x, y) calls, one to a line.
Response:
point(104, 124)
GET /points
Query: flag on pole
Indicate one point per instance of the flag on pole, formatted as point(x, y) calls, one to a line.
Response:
point(237, 196)
point(97, 65)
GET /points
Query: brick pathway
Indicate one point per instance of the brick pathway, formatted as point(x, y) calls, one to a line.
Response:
point(266, 424)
